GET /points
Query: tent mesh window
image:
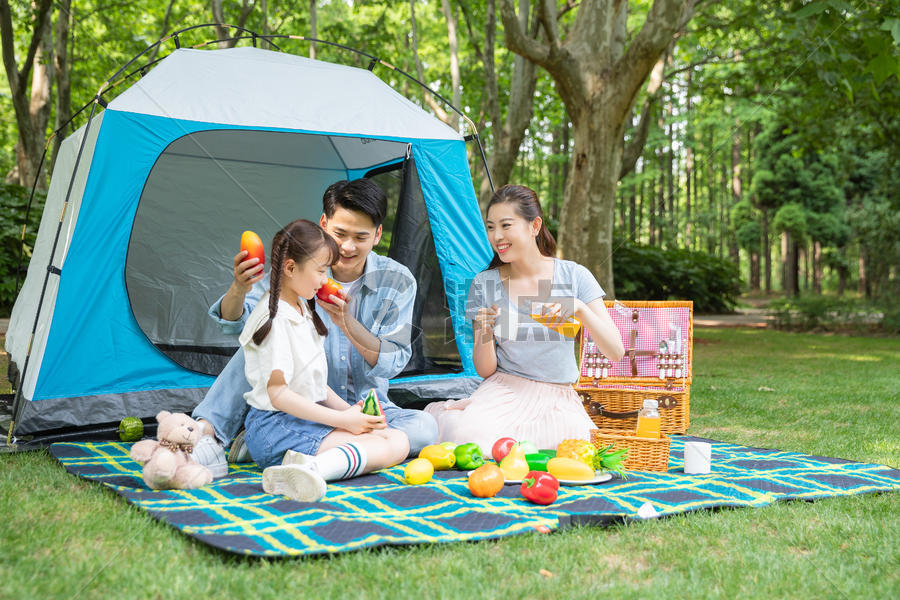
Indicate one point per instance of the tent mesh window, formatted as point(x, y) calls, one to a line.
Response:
point(409, 241)
point(208, 187)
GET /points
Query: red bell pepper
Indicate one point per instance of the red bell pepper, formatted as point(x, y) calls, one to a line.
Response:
point(540, 487)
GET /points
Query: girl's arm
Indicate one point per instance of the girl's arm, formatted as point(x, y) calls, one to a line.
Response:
point(484, 352)
point(604, 332)
point(352, 419)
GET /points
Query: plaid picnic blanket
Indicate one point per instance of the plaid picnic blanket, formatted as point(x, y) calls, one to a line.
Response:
point(235, 515)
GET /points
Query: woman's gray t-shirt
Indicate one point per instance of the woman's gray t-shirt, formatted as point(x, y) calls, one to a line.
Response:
point(525, 347)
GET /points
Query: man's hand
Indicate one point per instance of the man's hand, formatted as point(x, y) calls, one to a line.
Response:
point(338, 310)
point(246, 272)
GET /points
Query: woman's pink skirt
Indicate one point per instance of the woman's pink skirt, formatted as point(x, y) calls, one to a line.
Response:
point(507, 405)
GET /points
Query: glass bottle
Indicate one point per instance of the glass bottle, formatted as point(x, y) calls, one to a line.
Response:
point(648, 422)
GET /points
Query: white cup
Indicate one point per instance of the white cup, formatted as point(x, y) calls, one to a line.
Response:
point(697, 457)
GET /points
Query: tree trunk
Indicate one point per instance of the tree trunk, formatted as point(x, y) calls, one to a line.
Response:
point(790, 266)
point(863, 282)
point(313, 28)
point(586, 223)
point(817, 267)
point(509, 133)
point(450, 17)
point(803, 257)
point(767, 251)
point(632, 216)
point(61, 72)
point(598, 80)
point(31, 112)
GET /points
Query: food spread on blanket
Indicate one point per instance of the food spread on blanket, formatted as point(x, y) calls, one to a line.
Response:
point(486, 481)
point(418, 471)
point(540, 487)
point(131, 429)
point(514, 465)
point(441, 458)
point(468, 456)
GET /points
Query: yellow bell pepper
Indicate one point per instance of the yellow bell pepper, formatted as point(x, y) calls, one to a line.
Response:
point(439, 456)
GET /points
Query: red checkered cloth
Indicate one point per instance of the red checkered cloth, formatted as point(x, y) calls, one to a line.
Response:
point(653, 325)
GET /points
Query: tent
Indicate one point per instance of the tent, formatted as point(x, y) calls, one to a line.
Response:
point(148, 201)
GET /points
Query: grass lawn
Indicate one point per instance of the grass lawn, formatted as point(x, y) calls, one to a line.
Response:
point(827, 395)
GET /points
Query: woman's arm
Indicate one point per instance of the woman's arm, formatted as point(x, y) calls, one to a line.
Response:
point(604, 332)
point(289, 401)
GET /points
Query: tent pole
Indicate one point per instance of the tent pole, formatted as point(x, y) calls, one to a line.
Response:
point(17, 401)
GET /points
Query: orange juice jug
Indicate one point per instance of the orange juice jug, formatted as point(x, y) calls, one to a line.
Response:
point(648, 422)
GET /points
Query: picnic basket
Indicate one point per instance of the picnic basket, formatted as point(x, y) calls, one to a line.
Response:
point(613, 392)
point(644, 454)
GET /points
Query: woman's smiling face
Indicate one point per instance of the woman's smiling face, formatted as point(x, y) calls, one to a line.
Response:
point(511, 236)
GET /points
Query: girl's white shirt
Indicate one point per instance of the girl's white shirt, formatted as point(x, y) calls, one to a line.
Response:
point(293, 347)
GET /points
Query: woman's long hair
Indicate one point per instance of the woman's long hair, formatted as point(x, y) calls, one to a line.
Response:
point(298, 240)
point(528, 207)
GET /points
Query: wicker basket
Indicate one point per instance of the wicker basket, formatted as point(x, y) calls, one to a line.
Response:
point(644, 454)
point(617, 406)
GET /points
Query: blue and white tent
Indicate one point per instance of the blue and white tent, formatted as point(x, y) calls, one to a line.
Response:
point(137, 242)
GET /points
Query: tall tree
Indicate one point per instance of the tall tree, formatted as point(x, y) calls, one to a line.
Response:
point(598, 75)
point(31, 104)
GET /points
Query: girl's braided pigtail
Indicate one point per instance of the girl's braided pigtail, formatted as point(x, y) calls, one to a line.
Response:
point(278, 251)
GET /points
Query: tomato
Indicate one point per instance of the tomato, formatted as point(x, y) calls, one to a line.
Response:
point(253, 245)
point(501, 448)
point(486, 481)
point(330, 288)
point(418, 471)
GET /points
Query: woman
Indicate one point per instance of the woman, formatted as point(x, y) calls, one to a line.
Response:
point(528, 368)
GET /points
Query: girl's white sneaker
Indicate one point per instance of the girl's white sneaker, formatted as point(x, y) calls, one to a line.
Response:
point(297, 482)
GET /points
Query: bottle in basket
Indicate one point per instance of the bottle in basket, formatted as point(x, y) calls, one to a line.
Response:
point(648, 422)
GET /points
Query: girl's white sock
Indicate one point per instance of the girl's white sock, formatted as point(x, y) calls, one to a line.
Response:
point(343, 462)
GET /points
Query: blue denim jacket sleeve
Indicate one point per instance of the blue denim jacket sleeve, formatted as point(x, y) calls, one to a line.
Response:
point(393, 326)
point(250, 300)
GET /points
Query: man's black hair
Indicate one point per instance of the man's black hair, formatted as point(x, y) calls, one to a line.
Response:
point(361, 195)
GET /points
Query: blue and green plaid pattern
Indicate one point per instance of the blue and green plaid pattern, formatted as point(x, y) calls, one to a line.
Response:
point(234, 514)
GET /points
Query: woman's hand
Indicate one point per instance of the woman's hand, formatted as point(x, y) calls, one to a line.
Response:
point(357, 423)
point(485, 320)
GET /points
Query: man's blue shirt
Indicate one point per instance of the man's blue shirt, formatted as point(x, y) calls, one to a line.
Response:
point(383, 304)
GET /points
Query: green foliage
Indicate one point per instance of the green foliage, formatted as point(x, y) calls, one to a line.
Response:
point(827, 313)
point(650, 273)
point(792, 219)
point(13, 203)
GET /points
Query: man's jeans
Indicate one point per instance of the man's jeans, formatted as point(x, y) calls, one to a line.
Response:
point(224, 408)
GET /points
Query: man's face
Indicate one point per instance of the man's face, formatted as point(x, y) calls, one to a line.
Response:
point(356, 235)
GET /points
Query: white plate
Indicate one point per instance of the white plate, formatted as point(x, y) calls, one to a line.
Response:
point(600, 478)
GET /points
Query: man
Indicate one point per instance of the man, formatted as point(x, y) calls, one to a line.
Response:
point(368, 338)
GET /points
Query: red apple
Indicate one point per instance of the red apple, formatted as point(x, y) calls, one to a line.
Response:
point(330, 288)
point(501, 448)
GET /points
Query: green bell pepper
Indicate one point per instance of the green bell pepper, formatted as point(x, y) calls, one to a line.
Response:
point(468, 456)
point(537, 461)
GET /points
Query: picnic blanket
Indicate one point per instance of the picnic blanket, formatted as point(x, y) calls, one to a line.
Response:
point(234, 514)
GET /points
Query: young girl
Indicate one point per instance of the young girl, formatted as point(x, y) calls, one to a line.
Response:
point(529, 369)
point(295, 419)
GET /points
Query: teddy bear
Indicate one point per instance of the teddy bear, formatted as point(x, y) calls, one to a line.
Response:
point(168, 464)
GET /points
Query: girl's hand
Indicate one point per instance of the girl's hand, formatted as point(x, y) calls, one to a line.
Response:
point(357, 423)
point(485, 320)
point(246, 272)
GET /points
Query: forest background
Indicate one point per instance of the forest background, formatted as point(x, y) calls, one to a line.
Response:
point(681, 148)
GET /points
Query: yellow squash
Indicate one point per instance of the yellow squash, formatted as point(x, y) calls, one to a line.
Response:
point(570, 469)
